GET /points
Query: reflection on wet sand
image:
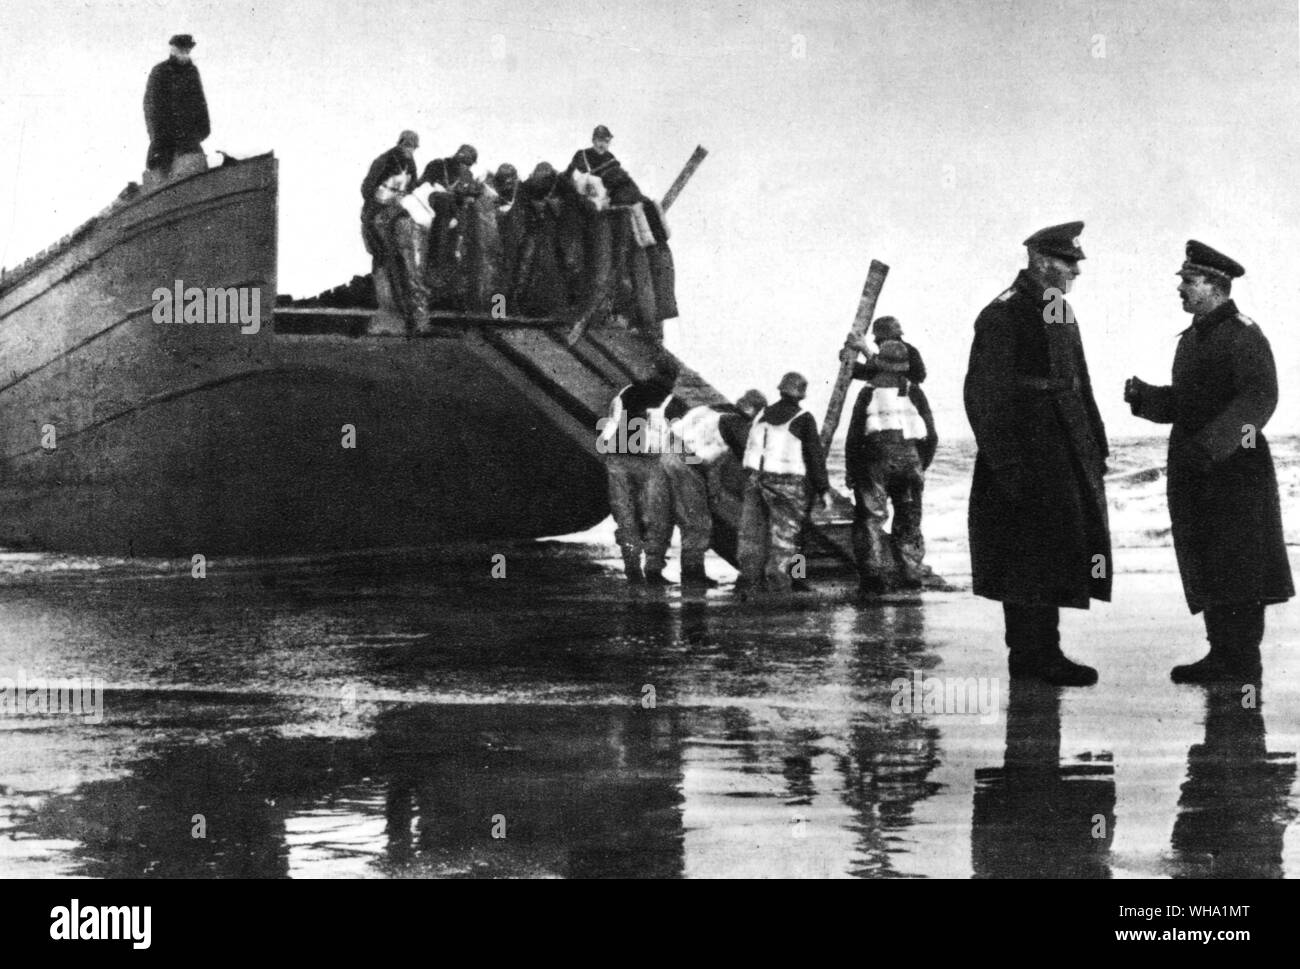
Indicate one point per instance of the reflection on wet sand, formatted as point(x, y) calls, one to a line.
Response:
point(1034, 816)
point(819, 779)
point(603, 733)
point(446, 791)
point(1234, 810)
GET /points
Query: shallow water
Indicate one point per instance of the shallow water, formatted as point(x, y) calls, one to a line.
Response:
point(410, 715)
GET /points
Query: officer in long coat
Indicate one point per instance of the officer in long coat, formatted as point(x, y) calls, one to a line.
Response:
point(1223, 497)
point(1039, 535)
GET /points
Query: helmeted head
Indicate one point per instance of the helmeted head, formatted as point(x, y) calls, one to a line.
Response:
point(892, 364)
point(886, 328)
point(408, 141)
point(664, 370)
point(600, 138)
point(506, 176)
point(181, 45)
point(1054, 255)
point(1207, 276)
point(793, 385)
point(751, 402)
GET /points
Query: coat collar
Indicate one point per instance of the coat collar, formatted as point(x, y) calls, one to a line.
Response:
point(1206, 322)
point(1028, 286)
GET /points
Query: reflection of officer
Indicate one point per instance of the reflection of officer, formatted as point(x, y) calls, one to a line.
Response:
point(1223, 498)
point(1035, 818)
point(1039, 537)
point(1234, 808)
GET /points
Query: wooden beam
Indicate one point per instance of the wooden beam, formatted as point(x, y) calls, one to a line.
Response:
point(866, 310)
point(683, 177)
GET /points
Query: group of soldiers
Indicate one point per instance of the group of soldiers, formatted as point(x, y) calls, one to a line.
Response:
point(684, 466)
point(583, 241)
point(1039, 531)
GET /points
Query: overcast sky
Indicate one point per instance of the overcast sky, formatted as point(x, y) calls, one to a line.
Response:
point(932, 136)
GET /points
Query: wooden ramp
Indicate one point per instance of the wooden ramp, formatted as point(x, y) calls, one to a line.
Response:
point(573, 386)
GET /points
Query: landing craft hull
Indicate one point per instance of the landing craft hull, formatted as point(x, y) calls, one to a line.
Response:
point(174, 438)
point(123, 435)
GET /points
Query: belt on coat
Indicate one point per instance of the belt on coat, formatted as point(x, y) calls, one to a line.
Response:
point(1047, 383)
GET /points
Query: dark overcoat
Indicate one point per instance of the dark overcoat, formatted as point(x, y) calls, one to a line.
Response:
point(175, 111)
point(1223, 497)
point(1039, 532)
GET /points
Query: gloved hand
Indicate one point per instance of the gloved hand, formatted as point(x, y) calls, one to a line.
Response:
point(859, 344)
point(1134, 388)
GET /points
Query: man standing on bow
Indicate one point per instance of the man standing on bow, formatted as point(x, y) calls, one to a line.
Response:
point(176, 114)
point(1039, 533)
point(1223, 497)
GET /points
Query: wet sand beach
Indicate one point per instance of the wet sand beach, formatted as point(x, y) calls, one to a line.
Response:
point(409, 715)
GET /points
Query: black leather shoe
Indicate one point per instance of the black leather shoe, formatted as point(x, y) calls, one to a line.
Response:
point(655, 579)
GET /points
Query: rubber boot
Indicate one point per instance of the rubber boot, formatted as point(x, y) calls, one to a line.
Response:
point(654, 568)
point(632, 566)
point(871, 587)
point(693, 574)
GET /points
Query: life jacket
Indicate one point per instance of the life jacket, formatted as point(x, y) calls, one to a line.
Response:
point(418, 209)
point(495, 194)
point(888, 410)
point(773, 448)
point(589, 183)
point(392, 187)
point(700, 434)
point(655, 437)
